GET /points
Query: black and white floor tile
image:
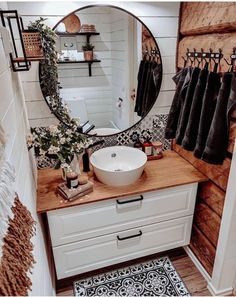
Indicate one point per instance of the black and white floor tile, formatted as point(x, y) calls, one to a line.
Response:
point(153, 278)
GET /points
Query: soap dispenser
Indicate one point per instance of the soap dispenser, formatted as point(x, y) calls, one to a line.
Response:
point(135, 137)
point(85, 159)
point(147, 145)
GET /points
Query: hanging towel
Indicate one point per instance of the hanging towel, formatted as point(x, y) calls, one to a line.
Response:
point(208, 108)
point(175, 109)
point(183, 121)
point(142, 75)
point(191, 132)
point(157, 77)
point(139, 78)
point(232, 99)
point(148, 85)
point(217, 140)
point(152, 85)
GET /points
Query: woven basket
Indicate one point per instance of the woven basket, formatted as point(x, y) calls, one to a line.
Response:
point(32, 44)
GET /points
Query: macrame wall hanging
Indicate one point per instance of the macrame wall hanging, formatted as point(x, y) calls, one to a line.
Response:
point(16, 230)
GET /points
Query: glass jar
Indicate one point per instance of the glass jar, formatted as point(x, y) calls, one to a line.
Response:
point(157, 149)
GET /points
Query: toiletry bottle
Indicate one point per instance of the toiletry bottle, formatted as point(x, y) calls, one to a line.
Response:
point(147, 146)
point(138, 144)
point(135, 137)
point(86, 161)
point(157, 149)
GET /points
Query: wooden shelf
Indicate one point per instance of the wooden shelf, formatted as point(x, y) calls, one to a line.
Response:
point(82, 62)
point(87, 34)
point(21, 59)
point(77, 33)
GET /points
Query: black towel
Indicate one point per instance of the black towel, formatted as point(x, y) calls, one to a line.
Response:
point(191, 132)
point(175, 109)
point(157, 76)
point(149, 89)
point(142, 74)
point(183, 121)
point(217, 140)
point(153, 85)
point(208, 108)
point(232, 99)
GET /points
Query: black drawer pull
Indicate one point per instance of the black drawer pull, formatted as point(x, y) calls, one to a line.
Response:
point(130, 201)
point(129, 237)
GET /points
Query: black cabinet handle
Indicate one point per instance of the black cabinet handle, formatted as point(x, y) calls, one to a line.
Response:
point(130, 201)
point(129, 237)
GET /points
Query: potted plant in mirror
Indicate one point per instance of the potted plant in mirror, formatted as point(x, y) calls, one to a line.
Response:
point(88, 51)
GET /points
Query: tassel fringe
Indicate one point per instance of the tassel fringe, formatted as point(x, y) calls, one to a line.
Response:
point(17, 258)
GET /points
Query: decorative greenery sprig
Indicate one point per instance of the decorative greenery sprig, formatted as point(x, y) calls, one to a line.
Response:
point(87, 47)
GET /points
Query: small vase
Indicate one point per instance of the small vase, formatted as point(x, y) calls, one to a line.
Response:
point(88, 55)
point(74, 165)
point(63, 173)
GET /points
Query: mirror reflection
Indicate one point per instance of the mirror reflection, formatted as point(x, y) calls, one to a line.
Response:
point(109, 69)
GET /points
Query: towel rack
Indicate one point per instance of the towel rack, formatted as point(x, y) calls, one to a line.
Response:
point(210, 55)
point(232, 64)
point(151, 53)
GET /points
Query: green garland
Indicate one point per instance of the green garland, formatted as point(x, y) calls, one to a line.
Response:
point(48, 72)
point(60, 142)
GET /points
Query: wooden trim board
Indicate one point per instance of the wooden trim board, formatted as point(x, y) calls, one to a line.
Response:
point(207, 17)
point(217, 173)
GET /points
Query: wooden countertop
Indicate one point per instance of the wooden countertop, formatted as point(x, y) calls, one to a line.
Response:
point(170, 171)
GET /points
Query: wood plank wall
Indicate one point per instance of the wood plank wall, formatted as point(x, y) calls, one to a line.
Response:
point(208, 25)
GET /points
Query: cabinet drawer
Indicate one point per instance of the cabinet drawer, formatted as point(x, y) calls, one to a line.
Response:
point(90, 254)
point(90, 220)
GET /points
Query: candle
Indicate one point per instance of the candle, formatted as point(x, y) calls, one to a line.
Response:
point(71, 180)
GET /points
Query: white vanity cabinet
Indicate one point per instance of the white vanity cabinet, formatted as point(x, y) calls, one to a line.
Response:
point(99, 234)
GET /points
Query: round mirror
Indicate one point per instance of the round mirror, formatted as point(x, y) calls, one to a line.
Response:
point(109, 69)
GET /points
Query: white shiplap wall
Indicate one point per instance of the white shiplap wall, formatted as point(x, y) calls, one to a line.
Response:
point(74, 78)
point(13, 118)
point(120, 70)
point(160, 17)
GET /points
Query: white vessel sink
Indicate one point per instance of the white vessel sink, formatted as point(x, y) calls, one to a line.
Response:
point(118, 165)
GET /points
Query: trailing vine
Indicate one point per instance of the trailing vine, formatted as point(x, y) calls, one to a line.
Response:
point(63, 141)
point(48, 72)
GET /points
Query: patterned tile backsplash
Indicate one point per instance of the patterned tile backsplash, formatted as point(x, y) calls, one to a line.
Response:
point(154, 123)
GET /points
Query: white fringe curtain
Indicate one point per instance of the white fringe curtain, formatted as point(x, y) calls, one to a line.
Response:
point(16, 230)
point(7, 193)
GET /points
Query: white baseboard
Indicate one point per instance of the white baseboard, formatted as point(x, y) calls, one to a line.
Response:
point(207, 277)
point(199, 266)
point(214, 292)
